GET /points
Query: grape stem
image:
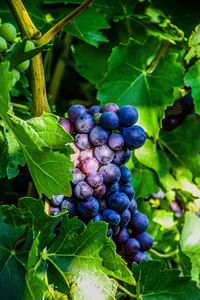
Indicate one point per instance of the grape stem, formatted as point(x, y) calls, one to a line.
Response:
point(46, 38)
point(126, 291)
point(164, 255)
point(164, 49)
point(37, 79)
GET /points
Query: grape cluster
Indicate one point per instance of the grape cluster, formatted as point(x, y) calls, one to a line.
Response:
point(103, 140)
point(8, 40)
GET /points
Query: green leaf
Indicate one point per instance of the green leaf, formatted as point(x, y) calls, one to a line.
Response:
point(182, 145)
point(194, 45)
point(35, 287)
point(87, 25)
point(87, 284)
point(50, 170)
point(155, 282)
point(192, 78)
point(144, 182)
point(86, 249)
point(190, 242)
point(30, 212)
point(91, 63)
point(6, 79)
point(164, 218)
point(17, 53)
point(12, 261)
point(129, 82)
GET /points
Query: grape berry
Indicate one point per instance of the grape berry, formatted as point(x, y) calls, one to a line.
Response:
point(103, 140)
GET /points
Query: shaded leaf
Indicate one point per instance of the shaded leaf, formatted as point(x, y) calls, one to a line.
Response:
point(192, 78)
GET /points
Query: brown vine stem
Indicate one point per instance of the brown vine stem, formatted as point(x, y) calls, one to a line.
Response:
point(55, 29)
point(37, 79)
point(59, 70)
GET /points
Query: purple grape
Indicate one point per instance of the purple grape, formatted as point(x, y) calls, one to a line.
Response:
point(89, 165)
point(98, 136)
point(128, 115)
point(110, 107)
point(138, 257)
point(75, 111)
point(132, 246)
point(70, 205)
point(122, 156)
point(84, 123)
point(125, 175)
point(55, 211)
point(98, 217)
point(88, 209)
point(132, 206)
point(82, 141)
point(83, 191)
point(111, 173)
point(78, 176)
point(104, 154)
point(57, 200)
point(145, 240)
point(112, 217)
point(116, 141)
point(99, 191)
point(134, 137)
point(116, 230)
point(128, 190)
point(94, 179)
point(94, 110)
point(125, 217)
point(118, 202)
point(109, 120)
point(122, 236)
point(113, 188)
point(66, 124)
point(138, 223)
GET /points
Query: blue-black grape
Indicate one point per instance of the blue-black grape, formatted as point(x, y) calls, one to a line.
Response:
point(116, 230)
point(132, 246)
point(132, 206)
point(145, 240)
point(139, 256)
point(94, 110)
point(104, 154)
point(122, 236)
point(128, 190)
point(128, 115)
point(83, 191)
point(98, 217)
point(98, 136)
point(88, 209)
point(78, 176)
point(111, 173)
point(116, 141)
point(112, 188)
point(82, 141)
point(125, 217)
point(69, 203)
point(109, 120)
point(138, 223)
point(109, 232)
point(122, 156)
point(118, 202)
point(111, 216)
point(94, 179)
point(134, 137)
point(125, 175)
point(75, 111)
point(84, 123)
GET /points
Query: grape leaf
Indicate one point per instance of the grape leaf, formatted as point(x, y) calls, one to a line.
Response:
point(140, 176)
point(192, 79)
point(182, 145)
point(35, 287)
point(155, 282)
point(194, 45)
point(190, 242)
point(86, 57)
point(79, 249)
point(30, 212)
point(12, 261)
point(86, 26)
point(129, 82)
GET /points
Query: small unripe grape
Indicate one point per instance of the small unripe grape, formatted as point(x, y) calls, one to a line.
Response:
point(3, 44)
point(29, 46)
point(8, 32)
point(16, 76)
point(23, 66)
